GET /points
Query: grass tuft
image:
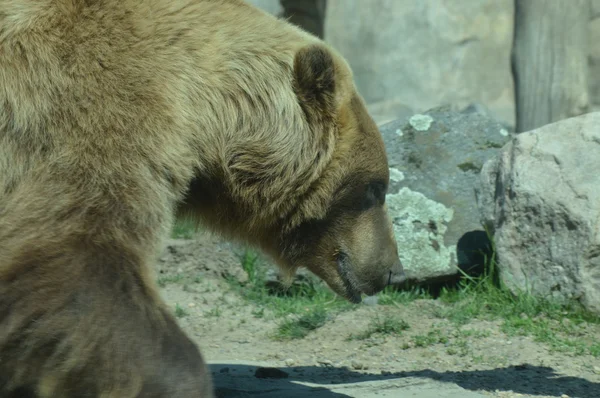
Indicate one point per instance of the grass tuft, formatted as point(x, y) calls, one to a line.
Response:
point(386, 325)
point(183, 229)
point(432, 337)
point(300, 326)
point(391, 296)
point(547, 320)
point(180, 312)
point(169, 279)
point(312, 294)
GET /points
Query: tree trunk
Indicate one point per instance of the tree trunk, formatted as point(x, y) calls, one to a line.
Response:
point(550, 60)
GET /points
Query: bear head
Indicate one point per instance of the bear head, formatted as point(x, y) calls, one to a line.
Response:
point(307, 183)
point(351, 246)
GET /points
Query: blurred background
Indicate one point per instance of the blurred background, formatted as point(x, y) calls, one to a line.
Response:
point(526, 63)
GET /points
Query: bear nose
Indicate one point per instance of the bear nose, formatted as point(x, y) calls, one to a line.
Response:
point(397, 274)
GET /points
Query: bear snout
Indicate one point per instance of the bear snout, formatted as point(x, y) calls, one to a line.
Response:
point(397, 274)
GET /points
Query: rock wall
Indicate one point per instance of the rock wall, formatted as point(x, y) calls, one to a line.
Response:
point(428, 53)
point(411, 56)
point(594, 60)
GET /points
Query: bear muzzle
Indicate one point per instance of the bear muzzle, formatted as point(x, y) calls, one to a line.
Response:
point(397, 275)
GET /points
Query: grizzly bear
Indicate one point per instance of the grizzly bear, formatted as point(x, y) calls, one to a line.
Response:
point(116, 117)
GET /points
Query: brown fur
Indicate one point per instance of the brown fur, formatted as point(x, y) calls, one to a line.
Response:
point(116, 115)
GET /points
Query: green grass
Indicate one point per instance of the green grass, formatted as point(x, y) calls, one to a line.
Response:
point(432, 337)
point(546, 320)
point(311, 303)
point(522, 314)
point(382, 325)
point(169, 279)
point(249, 260)
point(183, 229)
point(595, 350)
point(460, 348)
point(295, 300)
point(391, 296)
point(214, 312)
point(180, 312)
point(185, 280)
point(300, 326)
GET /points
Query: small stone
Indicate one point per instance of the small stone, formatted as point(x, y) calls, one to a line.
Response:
point(564, 396)
point(596, 370)
point(356, 364)
point(399, 132)
point(325, 362)
point(289, 362)
point(504, 132)
point(191, 305)
point(370, 301)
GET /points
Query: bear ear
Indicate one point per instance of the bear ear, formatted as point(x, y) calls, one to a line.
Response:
point(314, 75)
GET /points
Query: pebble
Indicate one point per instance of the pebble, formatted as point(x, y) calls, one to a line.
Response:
point(370, 301)
point(289, 362)
point(359, 365)
point(356, 365)
point(596, 370)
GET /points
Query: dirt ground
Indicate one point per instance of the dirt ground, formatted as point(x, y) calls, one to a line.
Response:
point(478, 356)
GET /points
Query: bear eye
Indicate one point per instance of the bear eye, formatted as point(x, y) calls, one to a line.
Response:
point(374, 194)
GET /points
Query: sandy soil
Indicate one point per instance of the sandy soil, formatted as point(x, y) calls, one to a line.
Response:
point(478, 356)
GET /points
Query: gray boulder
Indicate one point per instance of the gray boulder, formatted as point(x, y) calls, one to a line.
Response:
point(540, 197)
point(435, 159)
point(428, 53)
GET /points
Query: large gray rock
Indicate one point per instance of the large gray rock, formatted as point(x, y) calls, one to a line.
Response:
point(428, 53)
point(434, 161)
point(540, 196)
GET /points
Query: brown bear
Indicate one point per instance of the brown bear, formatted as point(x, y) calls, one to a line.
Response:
point(116, 116)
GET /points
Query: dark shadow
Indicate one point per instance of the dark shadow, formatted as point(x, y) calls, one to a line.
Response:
point(237, 381)
point(522, 379)
point(473, 250)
